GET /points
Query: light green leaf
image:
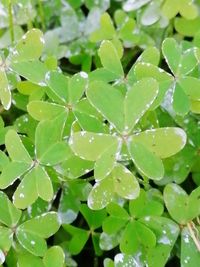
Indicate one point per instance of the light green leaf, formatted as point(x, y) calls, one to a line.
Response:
point(58, 84)
point(41, 110)
point(106, 30)
point(146, 161)
point(181, 103)
point(101, 194)
point(9, 214)
point(28, 260)
point(106, 161)
point(52, 150)
point(125, 183)
point(172, 53)
point(75, 167)
point(54, 257)
point(101, 95)
point(131, 5)
point(181, 207)
point(191, 87)
point(122, 260)
point(77, 86)
point(34, 71)
point(90, 146)
point(110, 59)
point(15, 148)
point(143, 238)
point(166, 232)
point(36, 183)
point(187, 27)
point(170, 8)
point(31, 234)
point(189, 253)
point(6, 238)
point(68, 206)
point(11, 172)
point(5, 94)
point(150, 55)
point(164, 142)
point(138, 100)
point(195, 106)
point(29, 47)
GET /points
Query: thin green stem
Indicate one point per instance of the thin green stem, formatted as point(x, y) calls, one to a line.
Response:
point(10, 14)
point(41, 12)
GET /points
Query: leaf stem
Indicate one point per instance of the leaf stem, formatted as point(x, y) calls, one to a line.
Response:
point(192, 234)
point(10, 14)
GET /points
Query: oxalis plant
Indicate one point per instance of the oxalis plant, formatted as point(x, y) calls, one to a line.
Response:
point(105, 161)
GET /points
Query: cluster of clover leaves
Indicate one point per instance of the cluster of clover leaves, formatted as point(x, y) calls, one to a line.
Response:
point(110, 145)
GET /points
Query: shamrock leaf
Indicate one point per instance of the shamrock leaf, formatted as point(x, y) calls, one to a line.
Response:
point(32, 233)
point(181, 207)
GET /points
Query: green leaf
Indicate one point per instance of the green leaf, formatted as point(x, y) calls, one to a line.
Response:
point(36, 183)
point(118, 218)
point(2, 257)
point(101, 194)
point(16, 149)
point(68, 206)
point(146, 161)
point(189, 253)
point(170, 8)
point(145, 206)
point(181, 103)
point(78, 239)
point(166, 232)
point(150, 55)
point(181, 207)
point(187, 27)
point(106, 162)
point(5, 94)
point(6, 238)
point(110, 59)
point(158, 140)
point(54, 257)
point(29, 47)
point(93, 218)
point(195, 106)
point(191, 87)
point(125, 183)
point(52, 150)
point(172, 53)
point(143, 238)
point(58, 85)
point(9, 214)
point(27, 259)
point(41, 110)
point(90, 146)
point(106, 30)
point(130, 5)
point(31, 234)
point(122, 260)
point(77, 86)
point(75, 167)
point(34, 71)
point(11, 172)
point(101, 95)
point(165, 80)
point(138, 100)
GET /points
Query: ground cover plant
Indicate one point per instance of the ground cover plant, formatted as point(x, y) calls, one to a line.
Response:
point(99, 133)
